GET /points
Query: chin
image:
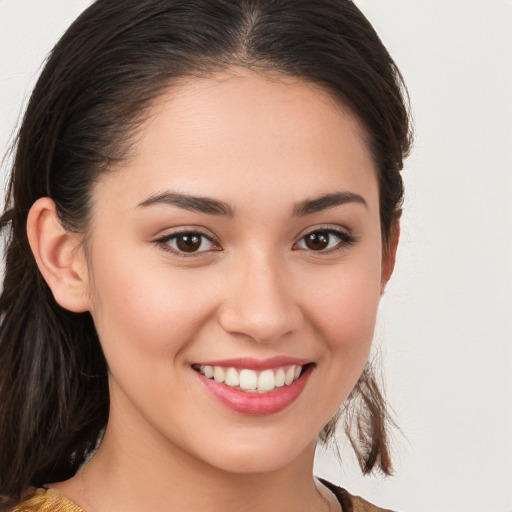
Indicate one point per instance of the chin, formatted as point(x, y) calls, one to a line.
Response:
point(255, 458)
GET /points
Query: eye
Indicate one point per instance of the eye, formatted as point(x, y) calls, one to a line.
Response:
point(325, 240)
point(188, 243)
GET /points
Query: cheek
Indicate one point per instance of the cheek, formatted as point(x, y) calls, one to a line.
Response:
point(146, 311)
point(343, 310)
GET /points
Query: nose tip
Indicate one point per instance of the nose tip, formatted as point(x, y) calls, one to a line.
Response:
point(261, 306)
point(260, 326)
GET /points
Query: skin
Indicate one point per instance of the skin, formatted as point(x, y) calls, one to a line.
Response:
point(261, 145)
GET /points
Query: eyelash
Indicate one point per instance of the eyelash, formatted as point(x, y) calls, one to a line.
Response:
point(345, 240)
point(165, 240)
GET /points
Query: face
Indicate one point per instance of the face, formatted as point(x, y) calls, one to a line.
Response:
point(235, 266)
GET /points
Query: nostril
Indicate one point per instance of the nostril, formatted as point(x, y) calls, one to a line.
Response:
point(263, 326)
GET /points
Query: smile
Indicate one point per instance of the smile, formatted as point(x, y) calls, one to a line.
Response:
point(255, 388)
point(252, 381)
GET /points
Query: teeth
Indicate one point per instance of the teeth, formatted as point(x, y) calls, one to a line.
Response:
point(250, 380)
point(232, 378)
point(266, 381)
point(219, 374)
point(280, 378)
point(290, 374)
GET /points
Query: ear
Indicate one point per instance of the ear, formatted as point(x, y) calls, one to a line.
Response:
point(59, 256)
point(389, 255)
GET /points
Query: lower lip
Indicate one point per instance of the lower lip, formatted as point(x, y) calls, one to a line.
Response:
point(257, 404)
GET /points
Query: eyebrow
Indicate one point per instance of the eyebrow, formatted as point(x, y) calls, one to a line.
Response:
point(190, 202)
point(211, 206)
point(326, 201)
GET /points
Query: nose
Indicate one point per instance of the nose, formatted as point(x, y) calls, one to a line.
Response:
point(260, 302)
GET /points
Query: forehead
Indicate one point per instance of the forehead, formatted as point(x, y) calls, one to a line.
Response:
point(242, 136)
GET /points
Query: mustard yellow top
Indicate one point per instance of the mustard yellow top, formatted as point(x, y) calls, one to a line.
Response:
point(47, 500)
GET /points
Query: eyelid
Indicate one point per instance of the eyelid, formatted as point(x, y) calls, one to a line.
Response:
point(345, 236)
point(163, 240)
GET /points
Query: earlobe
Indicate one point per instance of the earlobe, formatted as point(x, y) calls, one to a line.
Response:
point(59, 256)
point(389, 256)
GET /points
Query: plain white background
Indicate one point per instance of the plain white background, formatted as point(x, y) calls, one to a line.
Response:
point(445, 326)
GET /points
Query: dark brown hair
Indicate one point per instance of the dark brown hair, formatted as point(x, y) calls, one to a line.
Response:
point(93, 92)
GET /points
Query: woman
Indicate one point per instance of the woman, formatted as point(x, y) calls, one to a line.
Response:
point(203, 215)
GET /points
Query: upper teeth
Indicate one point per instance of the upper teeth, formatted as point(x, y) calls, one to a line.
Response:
point(250, 380)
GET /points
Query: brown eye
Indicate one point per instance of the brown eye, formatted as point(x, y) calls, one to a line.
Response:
point(325, 240)
point(317, 241)
point(188, 242)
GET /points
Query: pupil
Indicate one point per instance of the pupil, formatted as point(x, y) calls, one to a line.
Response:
point(188, 243)
point(317, 241)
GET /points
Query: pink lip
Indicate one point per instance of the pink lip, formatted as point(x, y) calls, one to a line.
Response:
point(256, 404)
point(257, 364)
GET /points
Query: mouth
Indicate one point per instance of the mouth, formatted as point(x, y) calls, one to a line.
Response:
point(256, 390)
point(252, 381)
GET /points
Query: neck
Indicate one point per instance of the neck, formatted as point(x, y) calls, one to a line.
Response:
point(135, 475)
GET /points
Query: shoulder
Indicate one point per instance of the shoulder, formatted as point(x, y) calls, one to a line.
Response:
point(45, 500)
point(350, 503)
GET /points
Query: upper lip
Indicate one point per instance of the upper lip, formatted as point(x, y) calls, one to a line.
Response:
point(256, 364)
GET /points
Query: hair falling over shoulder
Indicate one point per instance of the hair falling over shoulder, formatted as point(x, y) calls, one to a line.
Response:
point(53, 380)
point(90, 98)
